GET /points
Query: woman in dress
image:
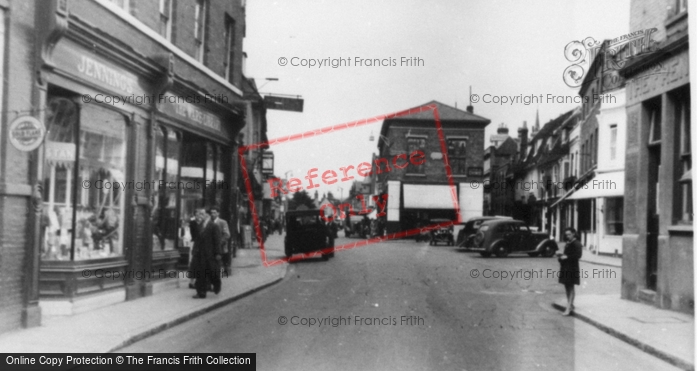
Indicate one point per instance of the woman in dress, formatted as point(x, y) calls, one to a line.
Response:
point(569, 274)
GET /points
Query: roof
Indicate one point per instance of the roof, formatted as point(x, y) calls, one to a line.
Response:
point(499, 137)
point(447, 113)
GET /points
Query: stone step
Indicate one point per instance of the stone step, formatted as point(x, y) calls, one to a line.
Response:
point(647, 296)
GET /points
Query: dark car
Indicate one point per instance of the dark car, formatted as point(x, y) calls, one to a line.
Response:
point(442, 234)
point(357, 224)
point(306, 232)
point(501, 237)
point(465, 236)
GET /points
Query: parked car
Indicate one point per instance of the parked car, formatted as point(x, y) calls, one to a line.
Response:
point(357, 225)
point(306, 232)
point(465, 236)
point(442, 234)
point(501, 237)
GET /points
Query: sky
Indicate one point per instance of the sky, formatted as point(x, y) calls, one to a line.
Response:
point(498, 48)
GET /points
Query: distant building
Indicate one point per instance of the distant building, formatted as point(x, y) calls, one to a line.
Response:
point(499, 194)
point(417, 185)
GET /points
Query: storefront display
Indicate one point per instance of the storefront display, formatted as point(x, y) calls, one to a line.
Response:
point(84, 166)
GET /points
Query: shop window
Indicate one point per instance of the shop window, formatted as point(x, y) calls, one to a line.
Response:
point(192, 176)
point(165, 220)
point(415, 144)
point(614, 215)
point(165, 8)
point(210, 176)
point(85, 161)
point(457, 154)
point(220, 186)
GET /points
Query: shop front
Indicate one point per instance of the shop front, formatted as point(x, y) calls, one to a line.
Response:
point(125, 162)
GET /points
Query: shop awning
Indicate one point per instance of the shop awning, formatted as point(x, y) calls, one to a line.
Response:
point(602, 185)
point(420, 196)
point(562, 198)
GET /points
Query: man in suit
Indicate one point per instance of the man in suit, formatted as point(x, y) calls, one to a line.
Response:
point(225, 236)
point(206, 254)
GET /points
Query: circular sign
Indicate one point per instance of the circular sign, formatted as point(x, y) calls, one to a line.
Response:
point(26, 133)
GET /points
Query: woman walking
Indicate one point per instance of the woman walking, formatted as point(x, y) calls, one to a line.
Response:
point(569, 274)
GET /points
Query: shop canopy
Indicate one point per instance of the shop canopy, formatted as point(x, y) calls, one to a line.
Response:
point(603, 185)
point(421, 196)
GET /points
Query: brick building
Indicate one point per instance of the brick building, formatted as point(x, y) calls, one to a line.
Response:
point(420, 191)
point(176, 66)
point(658, 234)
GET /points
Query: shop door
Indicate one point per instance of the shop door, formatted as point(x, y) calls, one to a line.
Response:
point(653, 217)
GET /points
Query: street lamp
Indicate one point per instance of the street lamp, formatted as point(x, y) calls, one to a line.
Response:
point(268, 79)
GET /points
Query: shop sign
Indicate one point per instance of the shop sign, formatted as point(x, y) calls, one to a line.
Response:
point(60, 152)
point(98, 70)
point(26, 133)
point(657, 78)
point(180, 107)
point(294, 104)
point(475, 171)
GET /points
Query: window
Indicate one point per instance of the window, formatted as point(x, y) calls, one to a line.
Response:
point(230, 62)
point(200, 27)
point(123, 4)
point(677, 7)
point(414, 144)
point(654, 112)
point(613, 216)
point(613, 141)
point(457, 154)
point(684, 203)
point(595, 147)
point(85, 147)
point(165, 7)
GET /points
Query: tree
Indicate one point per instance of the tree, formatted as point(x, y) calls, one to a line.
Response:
point(301, 198)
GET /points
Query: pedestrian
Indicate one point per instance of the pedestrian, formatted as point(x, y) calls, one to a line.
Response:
point(206, 255)
point(569, 274)
point(225, 237)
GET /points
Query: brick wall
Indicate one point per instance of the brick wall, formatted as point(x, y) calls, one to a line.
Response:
point(14, 165)
point(183, 17)
point(434, 169)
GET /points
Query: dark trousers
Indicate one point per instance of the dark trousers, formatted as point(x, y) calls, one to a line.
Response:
point(206, 278)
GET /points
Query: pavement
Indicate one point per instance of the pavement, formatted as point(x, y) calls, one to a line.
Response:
point(666, 334)
point(110, 328)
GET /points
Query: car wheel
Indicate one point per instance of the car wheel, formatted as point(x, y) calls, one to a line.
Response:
point(549, 250)
point(500, 250)
point(325, 257)
point(287, 251)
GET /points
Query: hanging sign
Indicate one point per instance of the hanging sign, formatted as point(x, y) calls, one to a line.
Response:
point(26, 133)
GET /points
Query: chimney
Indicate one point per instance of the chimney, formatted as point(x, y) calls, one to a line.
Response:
point(470, 108)
point(522, 134)
point(503, 129)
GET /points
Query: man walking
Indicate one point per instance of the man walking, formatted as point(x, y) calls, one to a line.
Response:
point(206, 254)
point(225, 236)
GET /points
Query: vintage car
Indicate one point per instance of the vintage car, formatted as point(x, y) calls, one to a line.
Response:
point(306, 232)
point(355, 224)
point(465, 236)
point(501, 237)
point(442, 234)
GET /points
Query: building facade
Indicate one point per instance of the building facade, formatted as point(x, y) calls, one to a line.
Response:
point(142, 103)
point(417, 187)
point(658, 214)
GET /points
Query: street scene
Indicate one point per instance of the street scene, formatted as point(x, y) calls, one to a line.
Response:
point(310, 185)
